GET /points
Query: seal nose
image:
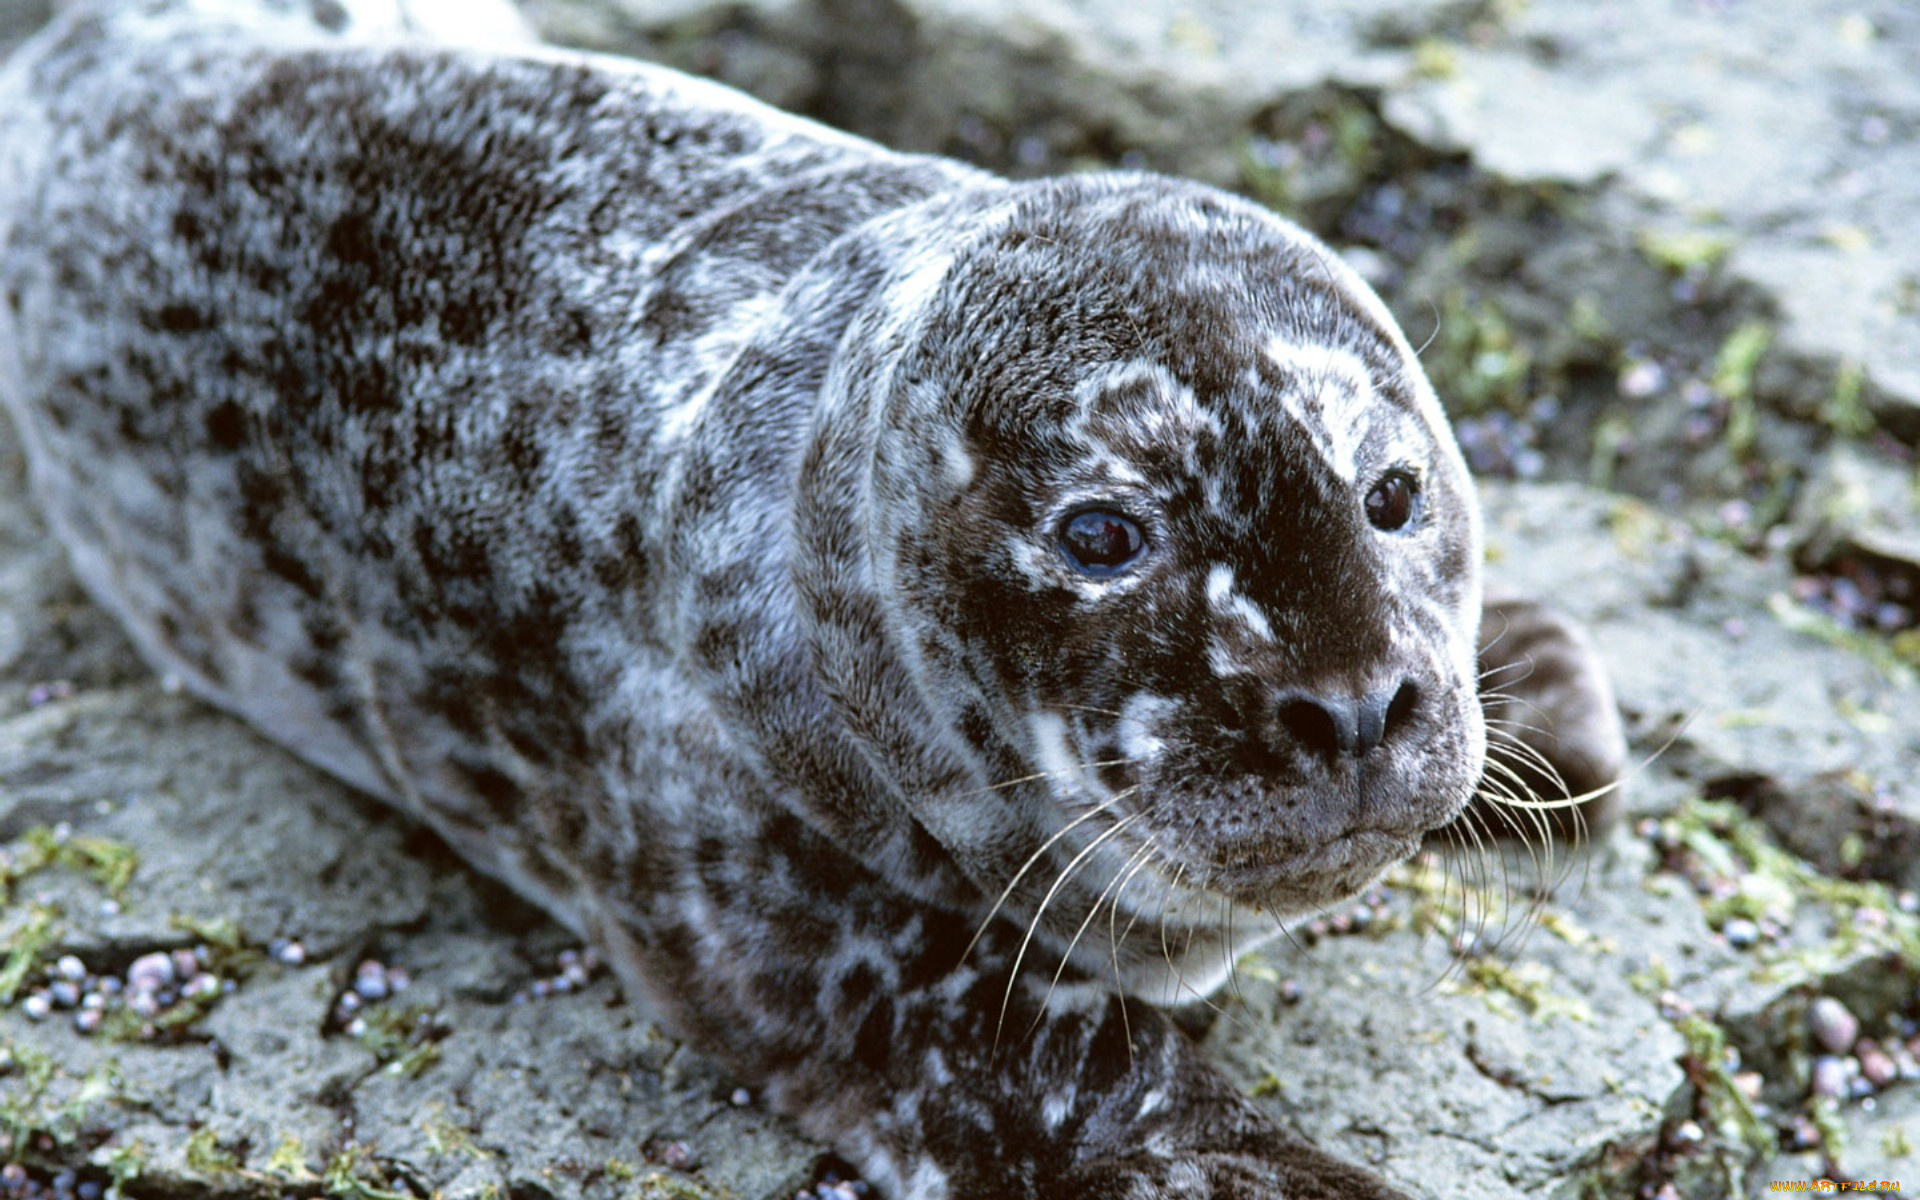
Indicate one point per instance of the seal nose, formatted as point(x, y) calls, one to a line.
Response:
point(1345, 725)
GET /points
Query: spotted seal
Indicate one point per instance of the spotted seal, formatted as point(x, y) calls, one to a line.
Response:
point(899, 614)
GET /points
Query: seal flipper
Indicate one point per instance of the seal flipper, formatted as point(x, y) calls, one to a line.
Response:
point(1548, 703)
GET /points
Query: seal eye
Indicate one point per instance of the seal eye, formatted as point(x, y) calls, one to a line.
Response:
point(1100, 542)
point(1393, 501)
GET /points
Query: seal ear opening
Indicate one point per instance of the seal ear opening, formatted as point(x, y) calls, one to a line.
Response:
point(1553, 728)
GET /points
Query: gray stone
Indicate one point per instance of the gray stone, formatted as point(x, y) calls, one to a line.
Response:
point(1860, 503)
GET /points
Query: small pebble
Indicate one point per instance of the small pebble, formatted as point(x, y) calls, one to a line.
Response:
point(37, 1006)
point(678, 1156)
point(1829, 1076)
point(47, 693)
point(1832, 1025)
point(1688, 1133)
point(741, 1098)
point(1642, 379)
point(1290, 991)
point(150, 972)
point(287, 952)
point(1741, 933)
point(70, 967)
point(64, 993)
point(1903, 1060)
point(88, 1020)
point(370, 981)
point(1804, 1134)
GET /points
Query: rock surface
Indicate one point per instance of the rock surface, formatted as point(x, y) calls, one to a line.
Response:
point(1664, 248)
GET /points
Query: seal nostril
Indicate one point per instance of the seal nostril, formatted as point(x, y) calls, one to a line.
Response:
point(1314, 727)
point(1404, 702)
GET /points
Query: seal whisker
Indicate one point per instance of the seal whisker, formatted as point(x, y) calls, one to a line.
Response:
point(1033, 923)
point(1056, 773)
point(1120, 874)
point(1470, 872)
point(1038, 853)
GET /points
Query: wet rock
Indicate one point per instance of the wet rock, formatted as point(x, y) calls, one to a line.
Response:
point(1844, 822)
point(1860, 508)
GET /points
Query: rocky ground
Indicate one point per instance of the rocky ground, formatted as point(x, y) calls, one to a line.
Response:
point(1659, 253)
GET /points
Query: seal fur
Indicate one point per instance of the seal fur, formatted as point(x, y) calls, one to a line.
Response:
point(668, 501)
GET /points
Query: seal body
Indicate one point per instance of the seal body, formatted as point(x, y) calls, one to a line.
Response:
point(896, 612)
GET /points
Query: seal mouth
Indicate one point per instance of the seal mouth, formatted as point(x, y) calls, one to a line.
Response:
point(1308, 876)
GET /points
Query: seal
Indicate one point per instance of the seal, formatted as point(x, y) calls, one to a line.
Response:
point(897, 613)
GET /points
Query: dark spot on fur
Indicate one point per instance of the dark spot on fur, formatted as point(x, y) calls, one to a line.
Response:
point(288, 565)
point(226, 425)
point(330, 15)
point(380, 479)
point(524, 451)
point(570, 332)
point(450, 551)
point(873, 1044)
point(367, 386)
point(465, 324)
point(626, 566)
point(856, 990)
point(320, 669)
point(718, 645)
point(565, 540)
point(351, 240)
point(495, 789)
point(180, 318)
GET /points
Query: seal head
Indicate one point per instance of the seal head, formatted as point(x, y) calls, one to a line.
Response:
point(1168, 525)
